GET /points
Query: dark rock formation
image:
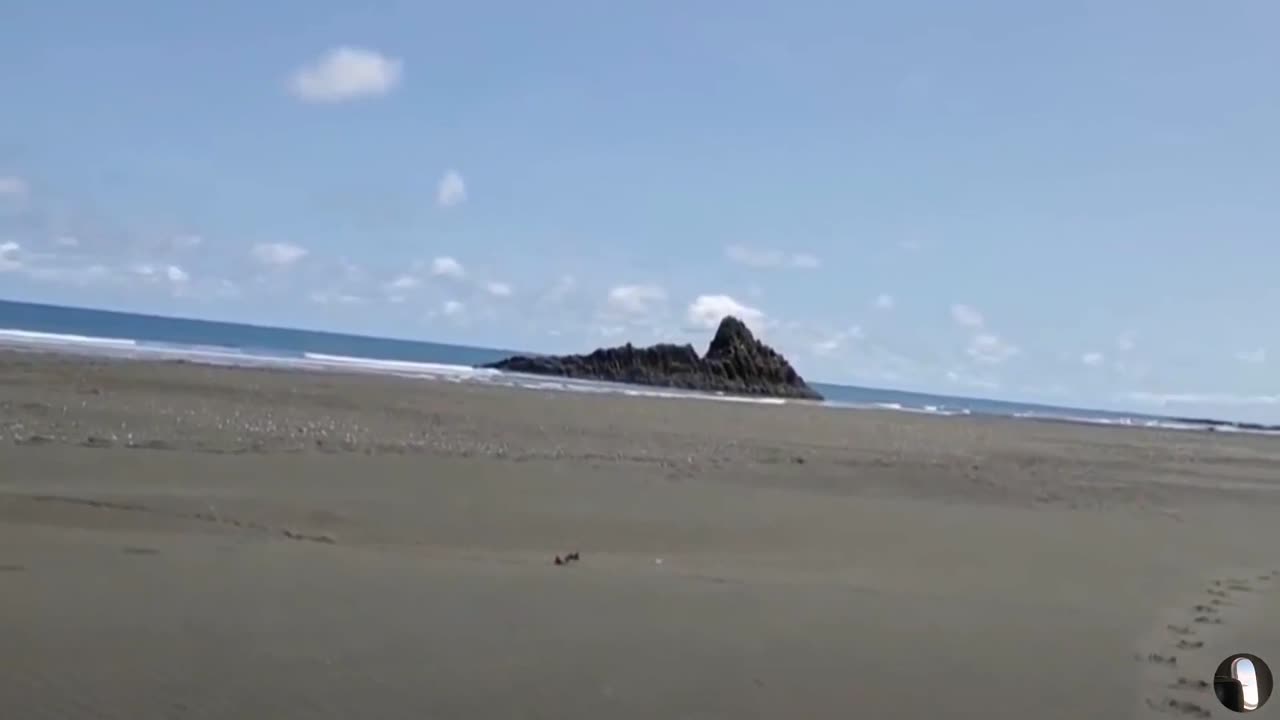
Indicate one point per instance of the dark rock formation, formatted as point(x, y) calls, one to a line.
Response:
point(736, 363)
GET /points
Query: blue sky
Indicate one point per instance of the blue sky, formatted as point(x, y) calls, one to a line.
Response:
point(1069, 204)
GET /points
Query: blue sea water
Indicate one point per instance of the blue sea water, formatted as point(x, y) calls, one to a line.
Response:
point(120, 334)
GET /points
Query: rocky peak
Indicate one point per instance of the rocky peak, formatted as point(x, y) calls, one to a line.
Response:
point(731, 338)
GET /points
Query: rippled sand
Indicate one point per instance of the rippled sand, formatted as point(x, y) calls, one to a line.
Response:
point(193, 542)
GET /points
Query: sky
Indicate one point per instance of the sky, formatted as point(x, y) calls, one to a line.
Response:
point(1072, 203)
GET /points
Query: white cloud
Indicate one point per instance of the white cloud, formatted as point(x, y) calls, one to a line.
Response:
point(884, 301)
point(910, 245)
point(1093, 359)
point(13, 186)
point(278, 254)
point(9, 256)
point(758, 258)
point(176, 275)
point(967, 316)
point(635, 299)
point(452, 190)
point(172, 275)
point(1252, 357)
point(706, 312)
point(498, 289)
point(448, 267)
point(67, 242)
point(453, 308)
point(346, 73)
point(990, 348)
point(1126, 342)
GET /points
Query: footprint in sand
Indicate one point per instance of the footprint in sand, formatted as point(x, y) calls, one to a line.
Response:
point(1186, 683)
point(135, 550)
point(1158, 659)
point(1181, 708)
point(1181, 647)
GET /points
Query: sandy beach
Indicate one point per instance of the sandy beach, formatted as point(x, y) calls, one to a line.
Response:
point(180, 541)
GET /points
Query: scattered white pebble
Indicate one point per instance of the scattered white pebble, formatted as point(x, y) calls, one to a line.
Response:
point(657, 561)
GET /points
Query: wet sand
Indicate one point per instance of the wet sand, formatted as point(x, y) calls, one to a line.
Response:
point(180, 541)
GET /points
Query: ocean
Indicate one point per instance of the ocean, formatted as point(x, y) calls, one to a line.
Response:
point(129, 335)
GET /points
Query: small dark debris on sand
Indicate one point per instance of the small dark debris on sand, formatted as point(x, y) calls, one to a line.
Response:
point(569, 558)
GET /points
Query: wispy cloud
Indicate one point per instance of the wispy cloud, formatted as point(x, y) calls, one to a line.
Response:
point(1210, 398)
point(990, 348)
point(1256, 356)
point(635, 299)
point(498, 289)
point(186, 242)
point(13, 187)
point(451, 190)
point(452, 308)
point(346, 73)
point(561, 289)
point(278, 254)
point(967, 316)
point(448, 267)
point(321, 297)
point(831, 343)
point(976, 382)
point(1093, 359)
point(770, 259)
point(402, 283)
point(884, 301)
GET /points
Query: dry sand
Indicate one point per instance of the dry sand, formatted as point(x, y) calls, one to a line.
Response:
point(180, 541)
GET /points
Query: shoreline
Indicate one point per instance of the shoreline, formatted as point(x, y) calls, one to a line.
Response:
point(219, 409)
point(313, 363)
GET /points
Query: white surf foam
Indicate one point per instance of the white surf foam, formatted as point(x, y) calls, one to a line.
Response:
point(398, 367)
point(228, 356)
point(11, 336)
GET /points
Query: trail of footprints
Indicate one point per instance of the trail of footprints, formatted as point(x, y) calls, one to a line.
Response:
point(1183, 695)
